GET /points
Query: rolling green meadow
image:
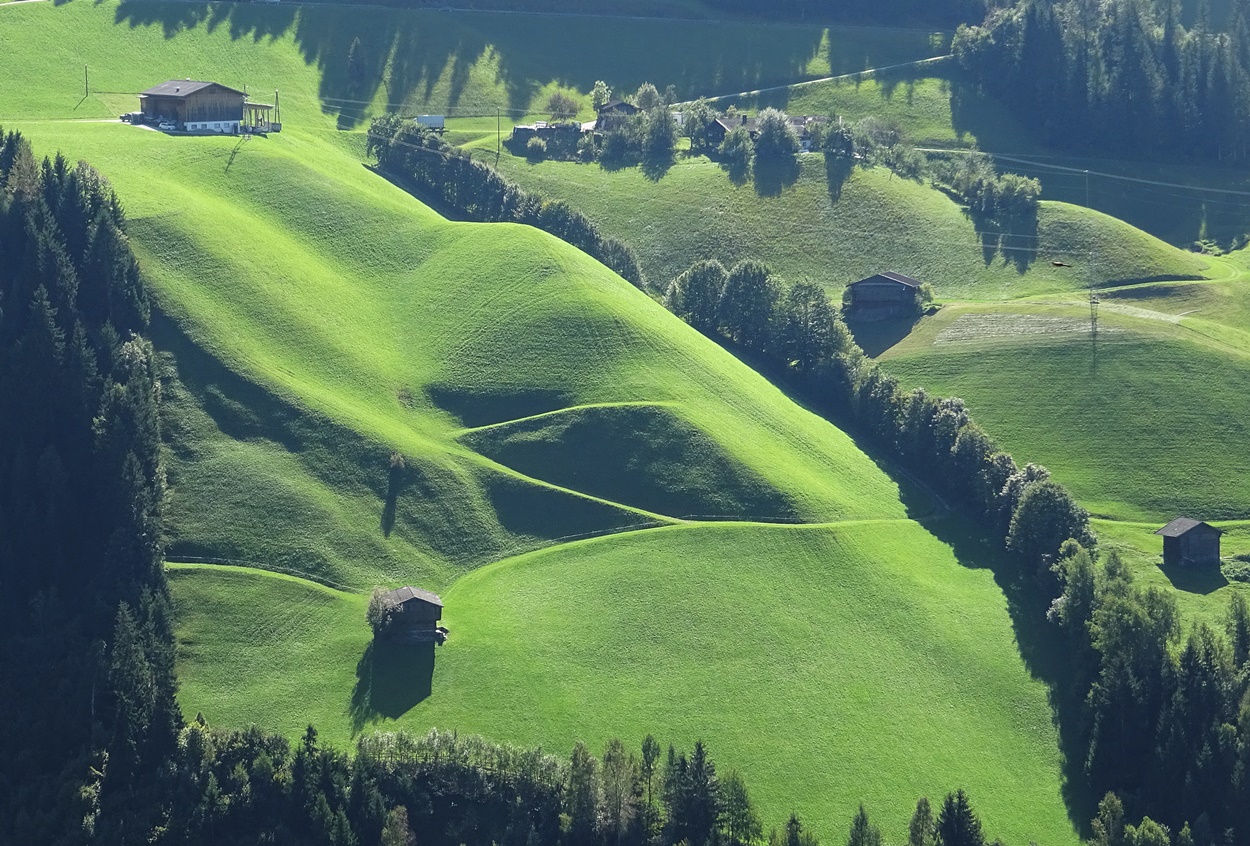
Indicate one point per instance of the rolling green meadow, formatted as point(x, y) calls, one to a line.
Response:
point(632, 530)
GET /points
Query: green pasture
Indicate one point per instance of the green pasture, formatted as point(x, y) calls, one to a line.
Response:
point(1145, 424)
point(410, 61)
point(834, 228)
point(1202, 595)
point(866, 662)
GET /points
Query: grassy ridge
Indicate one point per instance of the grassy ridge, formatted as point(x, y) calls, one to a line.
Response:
point(802, 228)
point(830, 665)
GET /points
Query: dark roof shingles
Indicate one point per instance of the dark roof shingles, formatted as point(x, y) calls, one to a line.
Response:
point(1182, 526)
point(405, 594)
point(184, 88)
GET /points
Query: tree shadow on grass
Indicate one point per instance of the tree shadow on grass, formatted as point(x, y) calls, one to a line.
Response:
point(1042, 648)
point(1045, 655)
point(394, 485)
point(391, 679)
point(838, 172)
point(772, 177)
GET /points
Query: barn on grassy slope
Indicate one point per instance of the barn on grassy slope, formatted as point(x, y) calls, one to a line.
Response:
point(416, 616)
point(194, 106)
point(1190, 543)
point(884, 295)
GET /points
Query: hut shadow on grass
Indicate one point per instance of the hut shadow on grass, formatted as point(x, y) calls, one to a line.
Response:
point(876, 336)
point(1201, 580)
point(391, 679)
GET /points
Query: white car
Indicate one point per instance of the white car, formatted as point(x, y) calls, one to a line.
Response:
point(167, 126)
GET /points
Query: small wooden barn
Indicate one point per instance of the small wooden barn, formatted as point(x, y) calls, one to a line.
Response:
point(416, 616)
point(884, 295)
point(1190, 543)
point(194, 106)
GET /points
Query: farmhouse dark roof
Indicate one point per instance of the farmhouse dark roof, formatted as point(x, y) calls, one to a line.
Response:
point(891, 276)
point(406, 594)
point(1183, 526)
point(618, 106)
point(184, 88)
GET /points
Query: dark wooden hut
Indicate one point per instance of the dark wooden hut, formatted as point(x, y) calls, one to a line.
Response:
point(416, 616)
point(1190, 543)
point(194, 106)
point(884, 295)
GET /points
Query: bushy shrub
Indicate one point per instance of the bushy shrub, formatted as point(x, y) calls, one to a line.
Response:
point(536, 148)
point(381, 611)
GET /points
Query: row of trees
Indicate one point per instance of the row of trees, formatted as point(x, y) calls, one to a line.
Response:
point(1121, 76)
point(798, 330)
point(448, 175)
point(228, 787)
point(88, 714)
point(1167, 730)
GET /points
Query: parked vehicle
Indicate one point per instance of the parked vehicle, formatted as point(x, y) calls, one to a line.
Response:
point(167, 126)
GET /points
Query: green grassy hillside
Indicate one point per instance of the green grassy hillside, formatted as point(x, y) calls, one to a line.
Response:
point(318, 325)
point(1130, 425)
point(832, 665)
point(803, 227)
point(421, 60)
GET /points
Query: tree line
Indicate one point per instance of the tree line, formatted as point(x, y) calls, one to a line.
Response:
point(444, 789)
point(88, 713)
point(1163, 728)
point(448, 175)
point(797, 330)
point(1165, 724)
point(1122, 76)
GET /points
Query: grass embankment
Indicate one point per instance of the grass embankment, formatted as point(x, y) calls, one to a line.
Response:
point(831, 665)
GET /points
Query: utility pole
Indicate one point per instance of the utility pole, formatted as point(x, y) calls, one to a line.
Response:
point(498, 132)
point(86, 89)
point(1087, 205)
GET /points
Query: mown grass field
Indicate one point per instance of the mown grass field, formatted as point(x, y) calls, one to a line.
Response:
point(831, 665)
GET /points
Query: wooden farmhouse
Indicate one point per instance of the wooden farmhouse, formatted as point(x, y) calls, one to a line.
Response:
point(613, 115)
point(416, 616)
point(884, 295)
point(194, 106)
point(1190, 543)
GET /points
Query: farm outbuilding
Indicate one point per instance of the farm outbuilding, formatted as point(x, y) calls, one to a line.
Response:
point(416, 616)
point(1190, 543)
point(883, 295)
point(194, 106)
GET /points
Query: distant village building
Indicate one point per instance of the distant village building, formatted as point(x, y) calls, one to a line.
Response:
point(801, 124)
point(194, 106)
point(1190, 543)
point(555, 132)
point(416, 617)
point(883, 295)
point(613, 115)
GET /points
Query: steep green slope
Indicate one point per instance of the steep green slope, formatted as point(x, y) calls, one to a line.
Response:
point(832, 665)
point(804, 225)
